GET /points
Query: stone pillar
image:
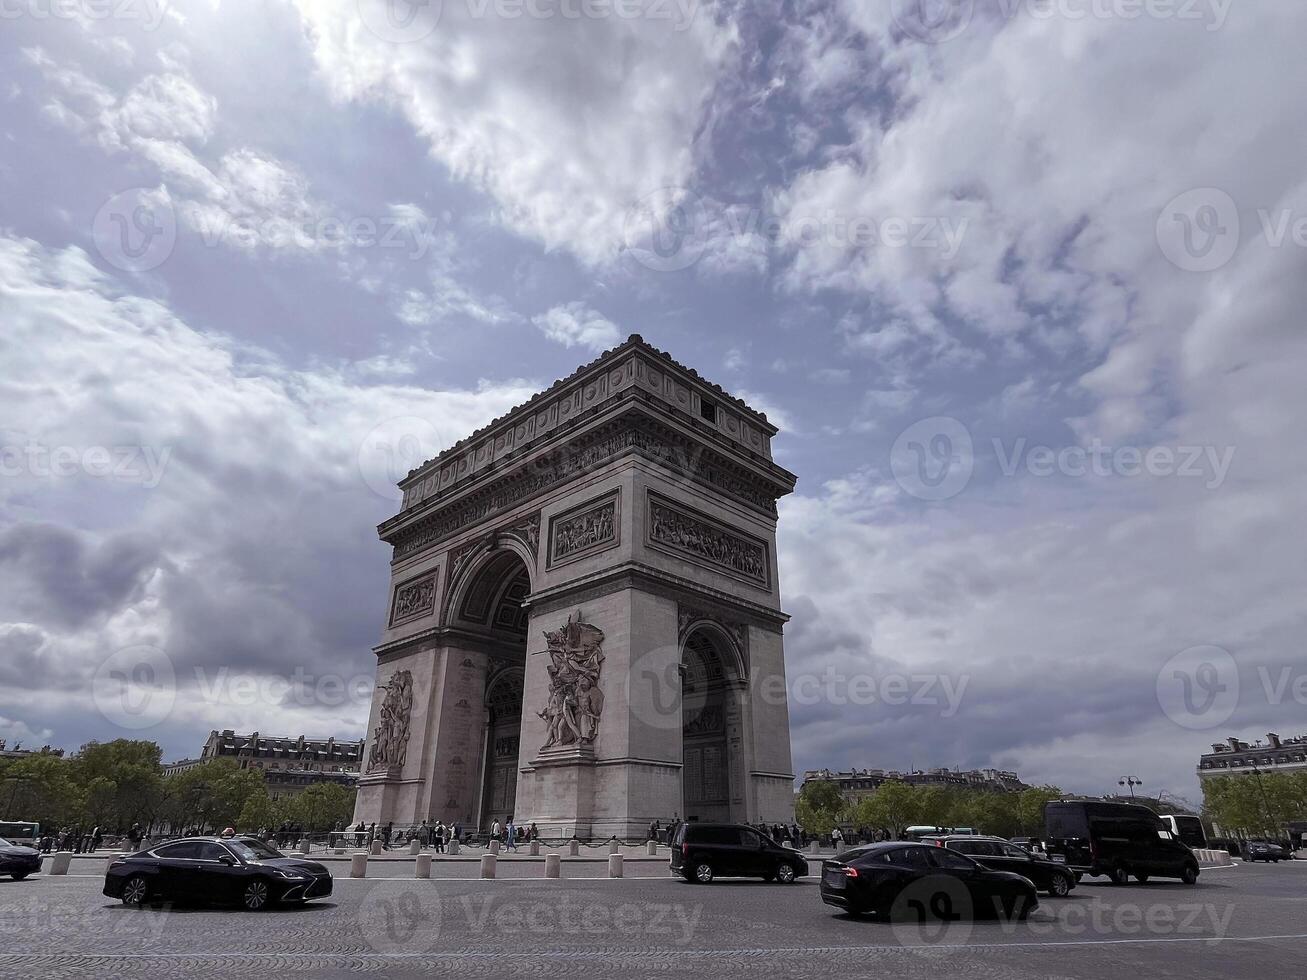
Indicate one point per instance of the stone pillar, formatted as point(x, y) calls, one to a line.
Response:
point(414, 846)
point(376, 848)
point(59, 864)
point(614, 846)
point(488, 865)
point(358, 865)
point(423, 867)
point(553, 865)
point(534, 849)
point(573, 848)
point(614, 866)
point(651, 848)
point(454, 847)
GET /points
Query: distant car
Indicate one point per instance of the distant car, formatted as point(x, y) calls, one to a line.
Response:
point(1000, 855)
point(1266, 850)
point(210, 870)
point(704, 851)
point(1119, 840)
point(18, 861)
point(897, 876)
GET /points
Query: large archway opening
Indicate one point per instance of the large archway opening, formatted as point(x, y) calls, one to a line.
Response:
point(707, 719)
point(491, 606)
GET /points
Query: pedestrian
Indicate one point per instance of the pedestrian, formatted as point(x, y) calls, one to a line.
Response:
point(385, 836)
point(359, 831)
point(653, 830)
point(494, 829)
point(439, 834)
point(535, 831)
point(511, 833)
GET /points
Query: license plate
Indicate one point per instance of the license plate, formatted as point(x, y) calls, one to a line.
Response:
point(1059, 859)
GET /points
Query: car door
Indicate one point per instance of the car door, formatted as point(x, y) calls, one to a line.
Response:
point(217, 874)
point(753, 857)
point(1009, 857)
point(967, 876)
point(177, 876)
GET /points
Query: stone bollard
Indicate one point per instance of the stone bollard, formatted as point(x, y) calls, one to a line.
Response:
point(358, 865)
point(534, 849)
point(414, 846)
point(614, 866)
point(553, 865)
point(338, 849)
point(573, 848)
point(651, 848)
point(787, 843)
point(376, 848)
point(614, 846)
point(494, 847)
point(304, 846)
point(59, 865)
point(423, 868)
point(812, 848)
point(488, 865)
point(454, 846)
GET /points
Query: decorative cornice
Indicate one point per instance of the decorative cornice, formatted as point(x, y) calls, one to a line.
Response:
point(632, 343)
point(633, 432)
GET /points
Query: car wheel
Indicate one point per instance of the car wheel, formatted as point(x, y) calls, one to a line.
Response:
point(1142, 879)
point(703, 873)
point(785, 874)
point(255, 896)
point(20, 875)
point(1119, 875)
point(135, 892)
point(1059, 887)
point(1190, 874)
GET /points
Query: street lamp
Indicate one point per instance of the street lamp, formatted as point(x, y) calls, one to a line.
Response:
point(1130, 781)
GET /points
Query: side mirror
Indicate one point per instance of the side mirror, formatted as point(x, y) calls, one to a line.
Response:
point(227, 860)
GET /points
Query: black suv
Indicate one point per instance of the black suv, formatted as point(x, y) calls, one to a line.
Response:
point(999, 855)
point(704, 851)
point(1119, 840)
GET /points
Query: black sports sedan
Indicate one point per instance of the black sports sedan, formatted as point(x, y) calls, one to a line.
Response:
point(17, 861)
point(240, 871)
point(896, 879)
point(999, 855)
point(1266, 850)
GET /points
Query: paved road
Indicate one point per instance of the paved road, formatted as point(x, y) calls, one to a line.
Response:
point(1243, 921)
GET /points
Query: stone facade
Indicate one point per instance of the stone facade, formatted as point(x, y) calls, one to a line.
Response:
point(551, 576)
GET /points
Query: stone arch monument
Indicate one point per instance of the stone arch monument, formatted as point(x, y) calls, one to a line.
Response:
point(584, 625)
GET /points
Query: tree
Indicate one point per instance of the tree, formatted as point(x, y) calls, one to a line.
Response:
point(121, 782)
point(893, 807)
point(322, 806)
point(210, 796)
point(820, 806)
point(39, 787)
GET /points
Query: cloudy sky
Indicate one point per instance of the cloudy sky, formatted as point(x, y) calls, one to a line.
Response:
point(1021, 280)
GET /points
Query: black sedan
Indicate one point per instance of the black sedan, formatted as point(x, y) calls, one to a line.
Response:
point(17, 861)
point(235, 871)
point(896, 879)
point(1266, 850)
point(999, 855)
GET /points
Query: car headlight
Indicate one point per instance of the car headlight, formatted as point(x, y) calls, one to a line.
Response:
point(289, 875)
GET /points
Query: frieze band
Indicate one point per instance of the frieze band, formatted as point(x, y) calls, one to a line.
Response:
point(414, 599)
point(649, 438)
point(583, 532)
point(702, 538)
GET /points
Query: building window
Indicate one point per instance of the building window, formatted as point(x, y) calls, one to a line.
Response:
point(708, 410)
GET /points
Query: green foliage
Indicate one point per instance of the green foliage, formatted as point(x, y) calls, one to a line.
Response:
point(896, 806)
point(819, 807)
point(322, 806)
point(209, 797)
point(1249, 805)
point(40, 788)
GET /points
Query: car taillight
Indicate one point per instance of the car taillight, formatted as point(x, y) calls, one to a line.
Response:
point(1093, 849)
point(685, 850)
point(939, 843)
point(850, 872)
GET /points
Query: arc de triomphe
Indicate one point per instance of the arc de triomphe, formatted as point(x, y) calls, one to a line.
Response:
point(584, 627)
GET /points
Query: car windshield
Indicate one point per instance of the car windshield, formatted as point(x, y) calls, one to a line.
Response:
point(253, 850)
point(5, 843)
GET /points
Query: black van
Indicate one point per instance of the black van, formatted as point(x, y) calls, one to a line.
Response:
point(1117, 840)
point(704, 851)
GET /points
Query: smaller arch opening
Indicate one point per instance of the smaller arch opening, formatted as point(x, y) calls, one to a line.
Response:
point(706, 755)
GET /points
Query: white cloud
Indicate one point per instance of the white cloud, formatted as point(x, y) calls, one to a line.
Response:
point(577, 325)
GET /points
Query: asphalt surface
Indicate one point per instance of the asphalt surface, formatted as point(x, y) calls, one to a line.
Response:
point(1245, 921)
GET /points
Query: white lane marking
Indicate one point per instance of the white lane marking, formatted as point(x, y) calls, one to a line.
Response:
point(648, 954)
